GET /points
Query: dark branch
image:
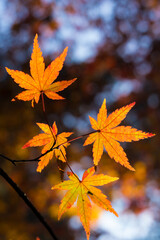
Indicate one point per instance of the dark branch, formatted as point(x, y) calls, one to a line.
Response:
point(10, 160)
point(27, 202)
point(37, 159)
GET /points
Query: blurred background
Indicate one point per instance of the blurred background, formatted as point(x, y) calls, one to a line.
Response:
point(114, 51)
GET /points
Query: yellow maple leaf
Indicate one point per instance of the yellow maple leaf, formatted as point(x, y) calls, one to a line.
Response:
point(85, 190)
point(41, 79)
point(107, 134)
point(50, 138)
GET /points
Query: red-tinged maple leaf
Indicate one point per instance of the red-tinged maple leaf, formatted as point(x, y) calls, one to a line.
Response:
point(41, 79)
point(50, 139)
point(85, 190)
point(107, 134)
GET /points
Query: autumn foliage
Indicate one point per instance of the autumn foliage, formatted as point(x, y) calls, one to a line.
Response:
point(84, 190)
point(41, 79)
point(106, 134)
point(52, 141)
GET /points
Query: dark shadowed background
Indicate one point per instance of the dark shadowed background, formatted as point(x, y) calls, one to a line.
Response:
point(114, 51)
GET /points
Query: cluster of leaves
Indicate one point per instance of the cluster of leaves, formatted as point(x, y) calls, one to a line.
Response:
point(106, 134)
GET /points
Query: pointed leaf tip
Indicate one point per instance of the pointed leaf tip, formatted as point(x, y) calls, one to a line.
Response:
point(25, 146)
point(104, 101)
point(131, 168)
point(116, 178)
point(116, 214)
point(132, 104)
point(66, 49)
point(151, 135)
point(36, 36)
point(39, 170)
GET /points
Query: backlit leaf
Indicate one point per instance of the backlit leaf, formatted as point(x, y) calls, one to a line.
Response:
point(84, 191)
point(50, 139)
point(107, 135)
point(41, 80)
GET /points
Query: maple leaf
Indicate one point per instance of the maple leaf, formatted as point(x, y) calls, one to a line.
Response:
point(41, 79)
point(50, 139)
point(108, 135)
point(85, 190)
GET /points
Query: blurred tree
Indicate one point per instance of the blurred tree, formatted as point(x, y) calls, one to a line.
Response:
point(114, 52)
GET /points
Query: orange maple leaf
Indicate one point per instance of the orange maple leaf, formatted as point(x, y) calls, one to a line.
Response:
point(50, 139)
point(84, 190)
point(107, 134)
point(41, 79)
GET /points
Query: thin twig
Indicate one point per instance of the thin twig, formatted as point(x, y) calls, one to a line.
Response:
point(37, 159)
point(27, 202)
point(7, 158)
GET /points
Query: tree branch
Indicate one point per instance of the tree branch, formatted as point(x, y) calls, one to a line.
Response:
point(27, 202)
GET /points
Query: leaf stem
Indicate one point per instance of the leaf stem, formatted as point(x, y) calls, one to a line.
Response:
point(28, 202)
point(54, 137)
point(69, 165)
point(46, 118)
point(43, 105)
point(79, 137)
